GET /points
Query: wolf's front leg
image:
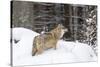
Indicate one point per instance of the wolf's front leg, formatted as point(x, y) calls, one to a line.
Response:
point(55, 45)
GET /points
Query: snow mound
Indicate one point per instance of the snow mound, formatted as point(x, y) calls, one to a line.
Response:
point(18, 33)
point(66, 52)
point(82, 51)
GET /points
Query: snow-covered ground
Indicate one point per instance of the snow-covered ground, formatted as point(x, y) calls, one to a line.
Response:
point(66, 52)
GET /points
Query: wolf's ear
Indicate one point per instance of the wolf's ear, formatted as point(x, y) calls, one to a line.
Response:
point(60, 24)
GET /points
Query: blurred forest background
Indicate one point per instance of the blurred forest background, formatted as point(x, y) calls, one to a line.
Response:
point(81, 20)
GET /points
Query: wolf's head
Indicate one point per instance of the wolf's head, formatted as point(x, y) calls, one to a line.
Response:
point(63, 29)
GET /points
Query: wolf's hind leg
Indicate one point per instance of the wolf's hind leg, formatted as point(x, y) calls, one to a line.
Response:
point(40, 51)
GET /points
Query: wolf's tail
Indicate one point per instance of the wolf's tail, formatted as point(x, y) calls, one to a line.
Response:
point(34, 49)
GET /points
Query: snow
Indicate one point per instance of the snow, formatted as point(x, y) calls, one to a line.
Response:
point(18, 33)
point(66, 52)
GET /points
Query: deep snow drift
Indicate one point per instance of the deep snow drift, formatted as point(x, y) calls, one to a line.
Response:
point(66, 52)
